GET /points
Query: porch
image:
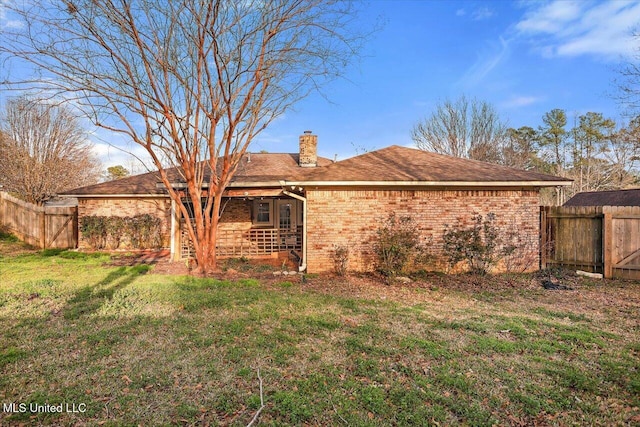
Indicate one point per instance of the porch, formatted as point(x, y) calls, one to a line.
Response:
point(253, 227)
point(252, 243)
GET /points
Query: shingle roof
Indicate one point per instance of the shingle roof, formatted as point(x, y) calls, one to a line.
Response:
point(629, 197)
point(262, 168)
point(401, 164)
point(143, 184)
point(389, 165)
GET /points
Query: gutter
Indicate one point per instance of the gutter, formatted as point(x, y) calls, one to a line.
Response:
point(303, 266)
point(284, 183)
point(98, 196)
point(428, 183)
point(182, 185)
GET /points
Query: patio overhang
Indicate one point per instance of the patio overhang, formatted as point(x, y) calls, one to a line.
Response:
point(253, 192)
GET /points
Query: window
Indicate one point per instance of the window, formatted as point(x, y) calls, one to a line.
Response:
point(262, 212)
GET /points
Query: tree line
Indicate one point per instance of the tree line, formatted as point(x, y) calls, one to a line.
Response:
point(597, 152)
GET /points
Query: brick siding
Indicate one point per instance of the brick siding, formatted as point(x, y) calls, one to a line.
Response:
point(351, 218)
point(127, 207)
point(236, 215)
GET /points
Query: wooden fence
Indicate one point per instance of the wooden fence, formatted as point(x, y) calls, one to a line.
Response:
point(600, 239)
point(40, 226)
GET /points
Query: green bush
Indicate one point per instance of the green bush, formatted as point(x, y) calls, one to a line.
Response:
point(476, 244)
point(397, 245)
point(142, 231)
point(114, 226)
point(94, 230)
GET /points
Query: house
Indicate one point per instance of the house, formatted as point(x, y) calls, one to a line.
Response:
point(279, 203)
point(630, 197)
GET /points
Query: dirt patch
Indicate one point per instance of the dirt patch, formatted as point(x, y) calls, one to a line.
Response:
point(596, 299)
point(11, 245)
point(160, 259)
point(148, 257)
point(589, 299)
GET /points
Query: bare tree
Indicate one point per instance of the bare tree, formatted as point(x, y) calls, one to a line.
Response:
point(43, 150)
point(462, 128)
point(628, 81)
point(192, 81)
point(624, 155)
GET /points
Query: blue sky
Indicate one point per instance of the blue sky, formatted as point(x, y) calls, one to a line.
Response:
point(524, 57)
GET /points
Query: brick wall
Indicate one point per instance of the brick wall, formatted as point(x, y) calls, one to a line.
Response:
point(127, 207)
point(351, 217)
point(236, 215)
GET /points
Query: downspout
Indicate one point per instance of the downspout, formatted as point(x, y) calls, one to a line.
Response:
point(303, 266)
point(174, 233)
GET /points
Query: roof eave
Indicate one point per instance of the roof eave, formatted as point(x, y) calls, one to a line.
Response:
point(430, 183)
point(93, 196)
point(235, 184)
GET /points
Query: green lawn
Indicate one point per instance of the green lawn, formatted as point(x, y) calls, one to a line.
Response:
point(129, 347)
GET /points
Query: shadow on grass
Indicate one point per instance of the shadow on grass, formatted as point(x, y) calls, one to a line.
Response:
point(89, 299)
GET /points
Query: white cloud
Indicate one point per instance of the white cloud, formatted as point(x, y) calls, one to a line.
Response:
point(482, 13)
point(550, 18)
point(5, 20)
point(488, 59)
point(110, 155)
point(572, 28)
point(478, 14)
point(520, 101)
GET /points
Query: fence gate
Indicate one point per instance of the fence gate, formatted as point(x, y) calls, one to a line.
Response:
point(572, 237)
point(40, 226)
point(600, 239)
point(622, 250)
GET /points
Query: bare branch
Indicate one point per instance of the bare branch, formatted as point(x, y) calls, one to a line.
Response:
point(43, 150)
point(257, 414)
point(468, 129)
point(193, 82)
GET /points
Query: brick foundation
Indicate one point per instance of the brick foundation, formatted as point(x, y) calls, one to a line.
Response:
point(351, 218)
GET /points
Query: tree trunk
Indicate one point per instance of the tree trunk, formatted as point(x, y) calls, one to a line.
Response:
point(206, 254)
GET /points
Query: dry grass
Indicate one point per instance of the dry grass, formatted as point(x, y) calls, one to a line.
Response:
point(141, 348)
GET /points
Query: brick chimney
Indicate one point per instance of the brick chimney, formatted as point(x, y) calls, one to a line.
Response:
point(308, 150)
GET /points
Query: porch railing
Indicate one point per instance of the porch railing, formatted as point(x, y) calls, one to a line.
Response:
point(253, 242)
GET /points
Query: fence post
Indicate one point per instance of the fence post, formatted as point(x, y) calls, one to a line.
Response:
point(76, 242)
point(607, 241)
point(3, 210)
point(43, 230)
point(543, 237)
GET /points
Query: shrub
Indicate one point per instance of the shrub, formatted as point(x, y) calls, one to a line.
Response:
point(340, 256)
point(476, 244)
point(397, 245)
point(94, 230)
point(142, 231)
point(115, 227)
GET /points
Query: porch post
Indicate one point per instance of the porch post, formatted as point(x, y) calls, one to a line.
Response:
point(303, 266)
point(175, 232)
